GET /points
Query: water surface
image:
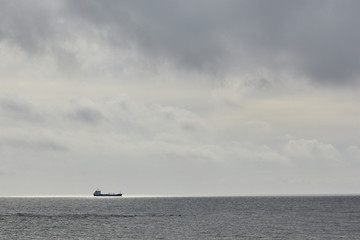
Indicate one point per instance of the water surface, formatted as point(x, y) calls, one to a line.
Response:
point(181, 218)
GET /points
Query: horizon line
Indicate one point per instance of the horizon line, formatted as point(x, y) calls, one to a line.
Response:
point(180, 196)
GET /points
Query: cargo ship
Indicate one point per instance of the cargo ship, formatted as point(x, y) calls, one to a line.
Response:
point(98, 193)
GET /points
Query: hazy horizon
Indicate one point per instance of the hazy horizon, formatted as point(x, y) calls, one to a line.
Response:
point(186, 196)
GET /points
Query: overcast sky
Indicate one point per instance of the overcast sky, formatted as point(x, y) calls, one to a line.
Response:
point(179, 97)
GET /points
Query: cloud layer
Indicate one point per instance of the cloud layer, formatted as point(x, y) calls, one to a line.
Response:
point(316, 41)
point(179, 97)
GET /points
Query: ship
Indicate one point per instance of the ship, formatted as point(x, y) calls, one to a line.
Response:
point(98, 193)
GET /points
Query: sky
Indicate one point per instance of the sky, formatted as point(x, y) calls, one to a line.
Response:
point(179, 98)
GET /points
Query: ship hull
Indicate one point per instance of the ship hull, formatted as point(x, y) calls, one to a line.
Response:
point(108, 195)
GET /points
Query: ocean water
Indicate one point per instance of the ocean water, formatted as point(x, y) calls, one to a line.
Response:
point(181, 218)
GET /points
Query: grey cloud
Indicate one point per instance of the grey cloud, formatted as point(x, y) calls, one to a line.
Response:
point(39, 28)
point(87, 115)
point(143, 140)
point(36, 145)
point(28, 24)
point(316, 40)
point(15, 105)
point(161, 30)
point(186, 120)
point(17, 108)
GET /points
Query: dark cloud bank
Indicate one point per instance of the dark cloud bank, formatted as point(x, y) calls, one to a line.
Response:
point(317, 40)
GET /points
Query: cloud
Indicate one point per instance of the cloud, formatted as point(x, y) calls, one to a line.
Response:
point(31, 25)
point(128, 141)
point(315, 40)
point(14, 104)
point(311, 150)
point(32, 145)
point(86, 115)
point(16, 108)
point(310, 40)
point(205, 94)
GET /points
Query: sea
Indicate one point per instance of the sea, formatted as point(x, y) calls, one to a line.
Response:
point(290, 217)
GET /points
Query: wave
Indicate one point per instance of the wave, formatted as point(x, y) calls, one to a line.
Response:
point(85, 215)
